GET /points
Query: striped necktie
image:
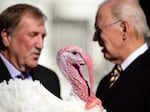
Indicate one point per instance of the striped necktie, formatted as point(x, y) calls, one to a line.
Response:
point(115, 75)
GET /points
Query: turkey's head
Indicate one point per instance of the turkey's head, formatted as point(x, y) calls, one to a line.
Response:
point(71, 60)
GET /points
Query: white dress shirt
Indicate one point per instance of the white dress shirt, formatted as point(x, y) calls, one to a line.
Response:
point(133, 56)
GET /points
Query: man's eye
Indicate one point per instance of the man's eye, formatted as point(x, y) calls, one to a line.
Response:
point(33, 34)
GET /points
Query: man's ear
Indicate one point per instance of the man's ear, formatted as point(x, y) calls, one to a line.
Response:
point(124, 29)
point(5, 37)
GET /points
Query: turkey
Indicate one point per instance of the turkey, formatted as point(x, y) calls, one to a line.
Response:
point(31, 96)
point(70, 60)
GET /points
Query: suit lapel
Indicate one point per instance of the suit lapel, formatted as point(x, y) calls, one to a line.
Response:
point(4, 73)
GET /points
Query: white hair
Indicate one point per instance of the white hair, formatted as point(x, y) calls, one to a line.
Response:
point(134, 14)
point(130, 11)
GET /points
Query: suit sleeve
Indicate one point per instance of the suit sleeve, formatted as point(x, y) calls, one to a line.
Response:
point(48, 79)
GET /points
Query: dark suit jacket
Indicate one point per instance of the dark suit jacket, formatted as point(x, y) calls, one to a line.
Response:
point(131, 92)
point(46, 76)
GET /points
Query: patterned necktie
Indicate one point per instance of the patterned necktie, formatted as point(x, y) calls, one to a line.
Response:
point(114, 75)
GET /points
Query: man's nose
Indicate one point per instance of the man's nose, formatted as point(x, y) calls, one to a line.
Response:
point(40, 42)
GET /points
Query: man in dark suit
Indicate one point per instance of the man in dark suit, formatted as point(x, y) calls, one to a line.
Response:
point(21, 41)
point(120, 30)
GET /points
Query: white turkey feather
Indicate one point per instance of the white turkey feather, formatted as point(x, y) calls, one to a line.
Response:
point(31, 96)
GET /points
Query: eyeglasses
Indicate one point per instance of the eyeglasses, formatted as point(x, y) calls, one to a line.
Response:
point(99, 30)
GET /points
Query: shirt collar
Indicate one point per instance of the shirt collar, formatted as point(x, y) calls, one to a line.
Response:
point(12, 70)
point(134, 55)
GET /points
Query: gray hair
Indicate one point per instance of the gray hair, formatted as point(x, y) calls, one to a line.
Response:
point(11, 17)
point(132, 12)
